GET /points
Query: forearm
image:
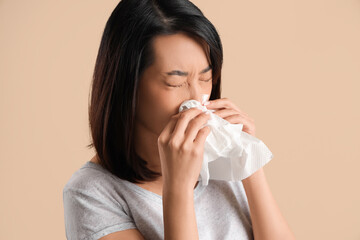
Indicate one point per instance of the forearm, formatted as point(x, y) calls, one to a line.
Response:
point(179, 214)
point(267, 220)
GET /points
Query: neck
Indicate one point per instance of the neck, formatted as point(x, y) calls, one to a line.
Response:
point(146, 146)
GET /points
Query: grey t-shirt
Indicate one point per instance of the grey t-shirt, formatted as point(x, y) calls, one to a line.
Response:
point(97, 203)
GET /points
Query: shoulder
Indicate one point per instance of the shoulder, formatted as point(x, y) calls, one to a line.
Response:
point(93, 206)
point(86, 178)
point(92, 184)
point(93, 179)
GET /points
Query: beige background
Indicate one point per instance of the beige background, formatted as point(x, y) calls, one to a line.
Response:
point(294, 66)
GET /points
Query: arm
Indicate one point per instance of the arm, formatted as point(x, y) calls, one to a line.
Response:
point(267, 220)
point(181, 156)
point(179, 213)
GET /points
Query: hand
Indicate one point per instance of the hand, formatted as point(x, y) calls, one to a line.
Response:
point(181, 148)
point(231, 113)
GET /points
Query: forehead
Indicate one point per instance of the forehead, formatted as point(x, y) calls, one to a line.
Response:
point(179, 51)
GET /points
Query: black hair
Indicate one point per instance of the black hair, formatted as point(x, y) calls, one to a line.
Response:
point(125, 51)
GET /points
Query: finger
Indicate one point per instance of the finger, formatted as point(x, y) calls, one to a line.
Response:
point(201, 136)
point(194, 126)
point(218, 103)
point(182, 122)
point(170, 126)
point(223, 103)
point(236, 119)
point(226, 112)
point(168, 129)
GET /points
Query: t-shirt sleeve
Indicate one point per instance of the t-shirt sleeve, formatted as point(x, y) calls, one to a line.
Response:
point(90, 215)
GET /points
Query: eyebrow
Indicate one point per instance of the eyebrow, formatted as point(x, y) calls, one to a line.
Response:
point(181, 73)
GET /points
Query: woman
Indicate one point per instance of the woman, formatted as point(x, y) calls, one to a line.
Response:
point(142, 182)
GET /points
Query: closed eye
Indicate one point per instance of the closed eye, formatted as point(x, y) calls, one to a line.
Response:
point(182, 84)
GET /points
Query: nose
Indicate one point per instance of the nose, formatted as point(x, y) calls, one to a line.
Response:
point(196, 91)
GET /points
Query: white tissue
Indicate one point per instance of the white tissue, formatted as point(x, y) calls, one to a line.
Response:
point(229, 153)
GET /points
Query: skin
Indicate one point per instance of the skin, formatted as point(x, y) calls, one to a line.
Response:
point(158, 102)
point(172, 142)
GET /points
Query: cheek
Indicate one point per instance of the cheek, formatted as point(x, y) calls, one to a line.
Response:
point(155, 108)
point(156, 104)
point(208, 89)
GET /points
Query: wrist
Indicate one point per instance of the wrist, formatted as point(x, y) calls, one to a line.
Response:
point(255, 177)
point(177, 190)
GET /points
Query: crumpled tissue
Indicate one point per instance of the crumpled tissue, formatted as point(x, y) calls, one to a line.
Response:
point(229, 153)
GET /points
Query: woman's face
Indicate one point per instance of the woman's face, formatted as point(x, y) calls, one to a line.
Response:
point(180, 72)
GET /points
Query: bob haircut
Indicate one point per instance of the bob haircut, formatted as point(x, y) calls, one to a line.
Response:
point(125, 52)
